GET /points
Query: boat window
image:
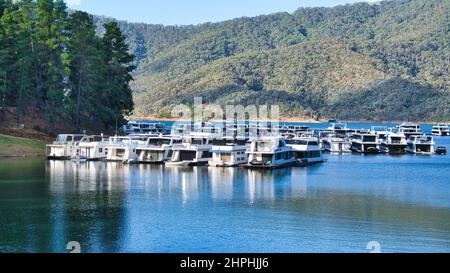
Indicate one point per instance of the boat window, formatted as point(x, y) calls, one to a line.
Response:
point(187, 155)
point(278, 156)
point(219, 142)
point(197, 141)
point(69, 138)
point(207, 155)
point(267, 158)
point(159, 141)
point(296, 142)
point(61, 139)
point(370, 138)
point(264, 146)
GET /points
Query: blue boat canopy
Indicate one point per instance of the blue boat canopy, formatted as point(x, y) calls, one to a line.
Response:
point(220, 152)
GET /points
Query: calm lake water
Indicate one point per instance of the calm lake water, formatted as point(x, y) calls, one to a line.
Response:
point(402, 202)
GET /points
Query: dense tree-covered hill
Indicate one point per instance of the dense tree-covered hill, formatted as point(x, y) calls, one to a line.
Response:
point(386, 61)
point(56, 72)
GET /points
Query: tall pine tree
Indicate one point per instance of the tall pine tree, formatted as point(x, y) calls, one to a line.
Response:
point(85, 62)
point(54, 65)
point(118, 63)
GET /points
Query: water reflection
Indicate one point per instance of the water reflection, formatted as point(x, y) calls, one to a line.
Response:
point(222, 183)
point(89, 200)
point(111, 207)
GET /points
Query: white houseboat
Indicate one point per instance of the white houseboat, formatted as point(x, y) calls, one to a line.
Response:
point(144, 127)
point(228, 152)
point(91, 148)
point(124, 149)
point(193, 151)
point(441, 130)
point(394, 143)
point(365, 143)
point(63, 147)
point(157, 149)
point(306, 150)
point(409, 129)
point(421, 145)
point(270, 152)
point(340, 130)
point(334, 144)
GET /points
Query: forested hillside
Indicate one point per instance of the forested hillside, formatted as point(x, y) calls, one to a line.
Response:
point(57, 72)
point(386, 61)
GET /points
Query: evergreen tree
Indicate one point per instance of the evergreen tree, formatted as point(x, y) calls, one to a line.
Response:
point(6, 51)
point(85, 62)
point(21, 27)
point(56, 76)
point(55, 64)
point(118, 64)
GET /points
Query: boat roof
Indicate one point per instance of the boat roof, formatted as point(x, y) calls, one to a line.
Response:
point(71, 135)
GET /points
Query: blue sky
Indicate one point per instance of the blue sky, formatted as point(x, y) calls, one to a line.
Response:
point(185, 12)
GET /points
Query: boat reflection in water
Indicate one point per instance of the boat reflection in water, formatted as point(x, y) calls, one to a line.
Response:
point(335, 207)
point(88, 204)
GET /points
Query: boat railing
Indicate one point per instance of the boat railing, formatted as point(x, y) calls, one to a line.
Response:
point(398, 141)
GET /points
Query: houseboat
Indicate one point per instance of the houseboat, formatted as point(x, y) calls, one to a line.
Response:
point(270, 152)
point(334, 144)
point(157, 149)
point(63, 147)
point(381, 132)
point(144, 127)
point(409, 129)
point(394, 143)
point(340, 130)
point(91, 148)
point(365, 143)
point(440, 130)
point(229, 152)
point(421, 145)
point(193, 151)
point(306, 150)
point(124, 149)
point(181, 129)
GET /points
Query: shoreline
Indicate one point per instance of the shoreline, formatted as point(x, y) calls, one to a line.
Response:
point(295, 120)
point(19, 147)
point(29, 156)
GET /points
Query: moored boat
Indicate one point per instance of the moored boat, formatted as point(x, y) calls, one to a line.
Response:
point(409, 129)
point(421, 145)
point(365, 143)
point(157, 149)
point(306, 150)
point(440, 130)
point(394, 143)
point(193, 151)
point(334, 144)
point(228, 152)
point(124, 149)
point(144, 127)
point(91, 148)
point(63, 147)
point(270, 152)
